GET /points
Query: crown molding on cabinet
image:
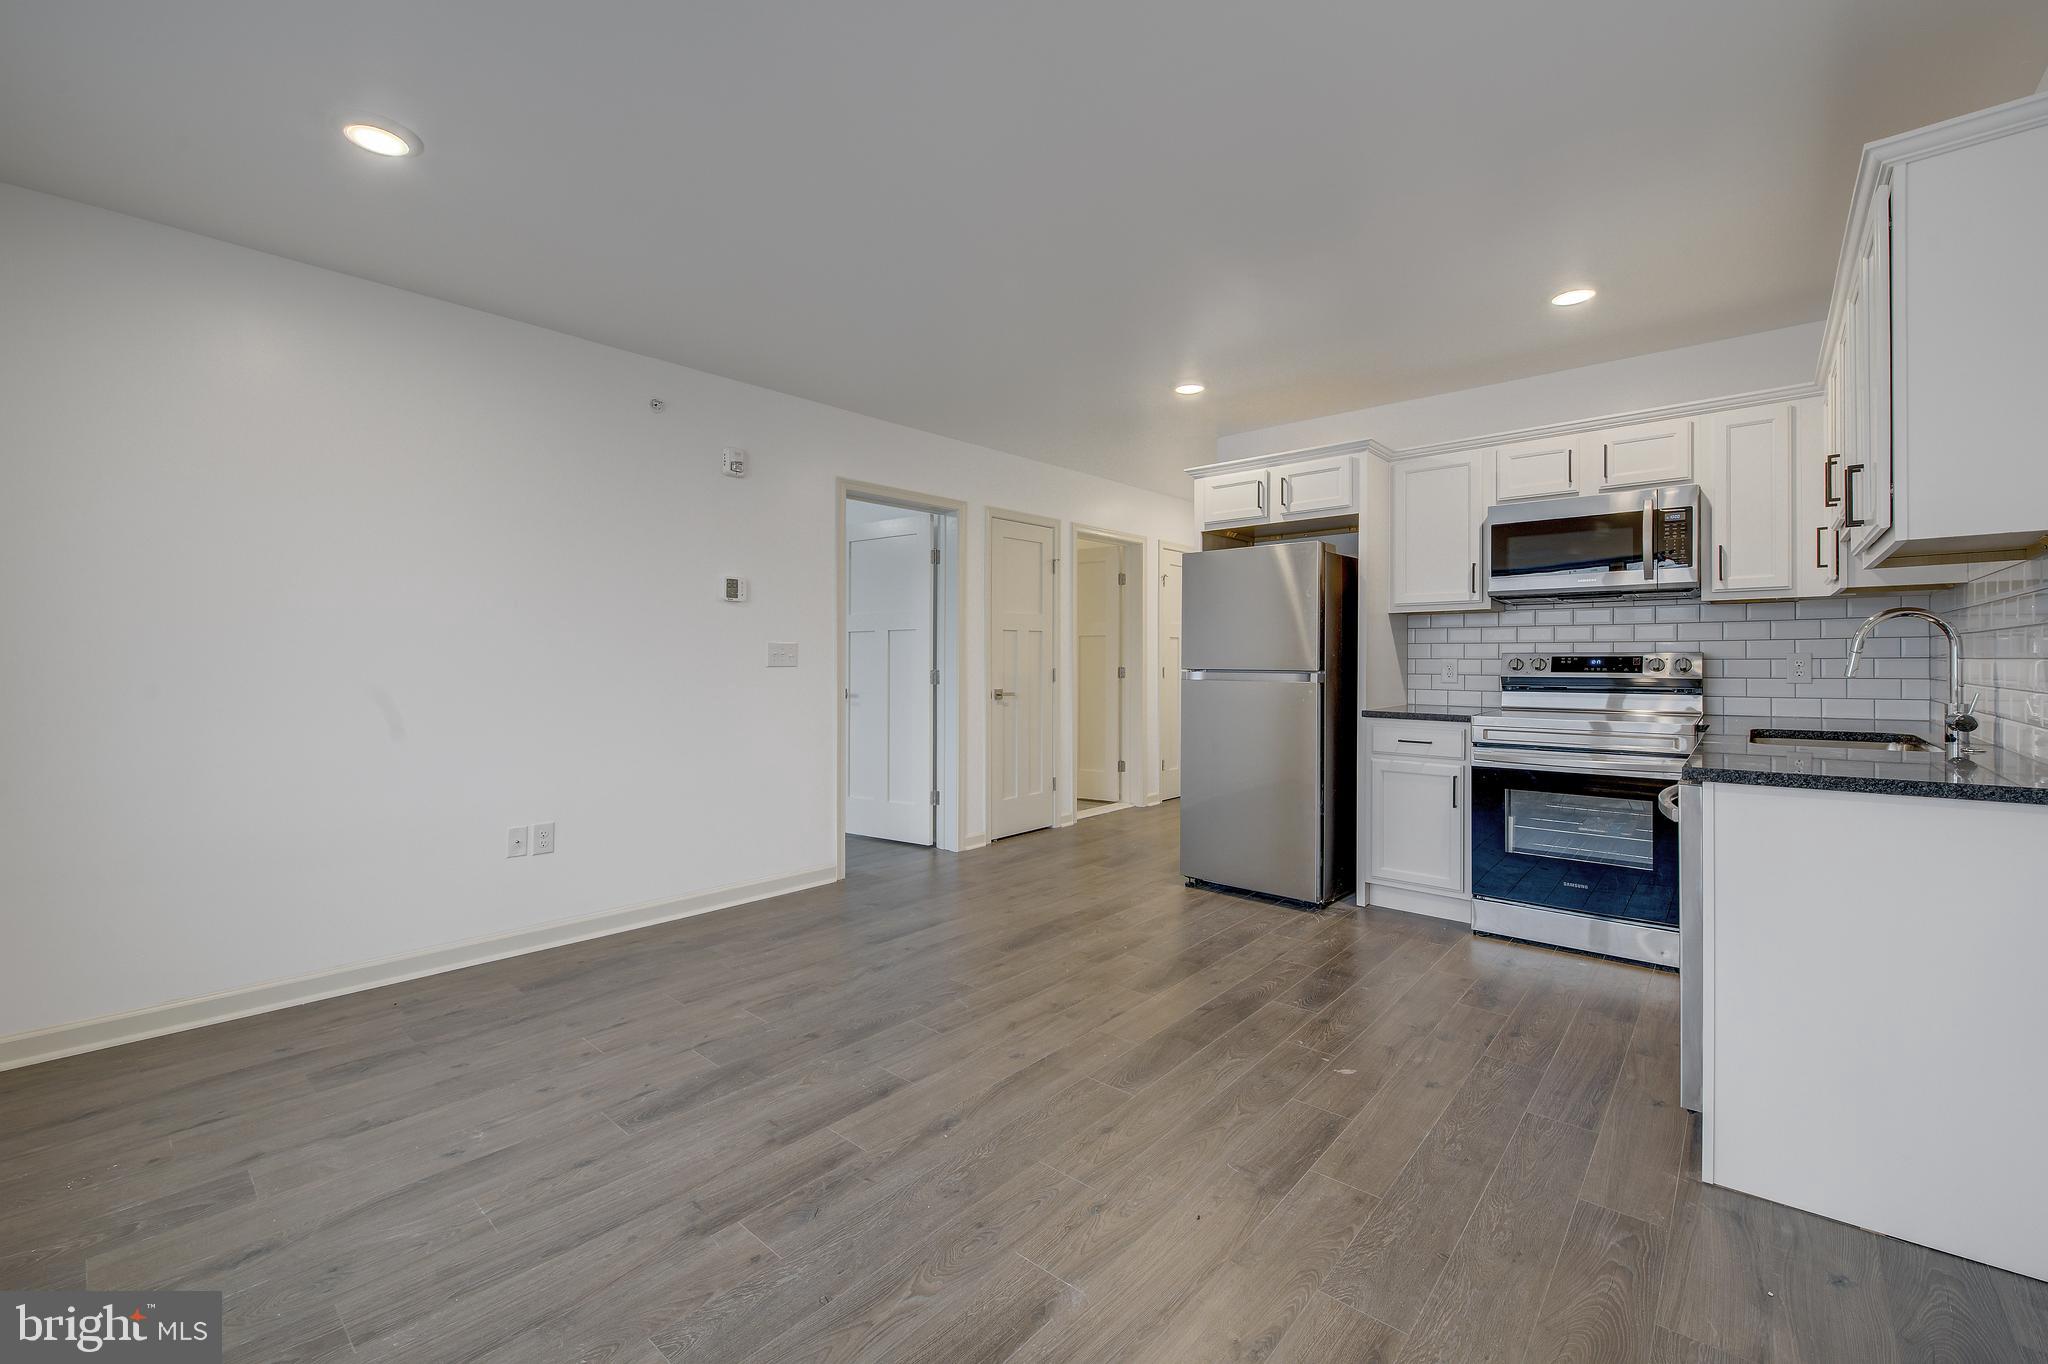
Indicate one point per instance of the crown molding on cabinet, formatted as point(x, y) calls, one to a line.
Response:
point(1789, 393)
point(1880, 159)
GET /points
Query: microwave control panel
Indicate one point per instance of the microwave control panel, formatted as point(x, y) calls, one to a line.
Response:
point(1674, 537)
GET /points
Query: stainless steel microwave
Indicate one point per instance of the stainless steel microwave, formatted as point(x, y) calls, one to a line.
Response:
point(1642, 543)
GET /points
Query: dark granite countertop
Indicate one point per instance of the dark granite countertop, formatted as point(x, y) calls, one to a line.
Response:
point(1996, 774)
point(1454, 714)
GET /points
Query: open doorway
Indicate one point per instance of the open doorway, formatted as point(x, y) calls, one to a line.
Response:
point(899, 642)
point(1106, 653)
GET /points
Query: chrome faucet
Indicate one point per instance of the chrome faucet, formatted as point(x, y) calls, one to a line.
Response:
point(1959, 719)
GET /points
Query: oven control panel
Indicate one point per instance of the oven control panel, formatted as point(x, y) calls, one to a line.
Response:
point(1622, 667)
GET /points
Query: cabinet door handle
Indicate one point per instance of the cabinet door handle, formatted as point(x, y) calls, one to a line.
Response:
point(1818, 532)
point(1828, 497)
point(1721, 563)
point(1454, 790)
point(1474, 589)
point(1424, 742)
point(1850, 519)
point(1286, 493)
point(1603, 464)
point(1260, 488)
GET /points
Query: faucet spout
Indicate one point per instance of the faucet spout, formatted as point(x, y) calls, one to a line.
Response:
point(1958, 719)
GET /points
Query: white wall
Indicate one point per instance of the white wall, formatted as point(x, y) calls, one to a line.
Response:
point(1742, 364)
point(310, 587)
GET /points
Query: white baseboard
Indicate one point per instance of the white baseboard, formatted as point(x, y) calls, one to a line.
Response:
point(1456, 908)
point(94, 1034)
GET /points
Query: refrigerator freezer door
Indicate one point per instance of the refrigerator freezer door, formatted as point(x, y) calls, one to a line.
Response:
point(1259, 607)
point(1251, 798)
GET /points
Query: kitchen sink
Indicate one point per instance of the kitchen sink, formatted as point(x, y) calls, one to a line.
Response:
point(1841, 738)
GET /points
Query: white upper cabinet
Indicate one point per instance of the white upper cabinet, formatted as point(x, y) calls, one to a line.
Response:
point(1535, 468)
point(1318, 485)
point(1237, 498)
point(1938, 308)
point(1749, 482)
point(1642, 456)
point(1324, 486)
point(1439, 503)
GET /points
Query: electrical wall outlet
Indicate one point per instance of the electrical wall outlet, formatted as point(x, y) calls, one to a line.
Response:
point(1447, 670)
point(515, 841)
point(782, 655)
point(543, 838)
point(1802, 667)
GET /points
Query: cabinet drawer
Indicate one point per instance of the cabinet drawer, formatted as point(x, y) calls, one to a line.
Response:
point(1419, 739)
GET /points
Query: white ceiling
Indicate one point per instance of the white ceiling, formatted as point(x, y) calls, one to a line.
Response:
point(1021, 224)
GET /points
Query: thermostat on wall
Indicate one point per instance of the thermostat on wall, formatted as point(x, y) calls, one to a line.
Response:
point(734, 462)
point(733, 589)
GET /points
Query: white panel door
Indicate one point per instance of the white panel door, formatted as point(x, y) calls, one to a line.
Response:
point(1750, 477)
point(889, 693)
point(1098, 658)
point(1418, 823)
point(1169, 673)
point(1020, 664)
point(1438, 506)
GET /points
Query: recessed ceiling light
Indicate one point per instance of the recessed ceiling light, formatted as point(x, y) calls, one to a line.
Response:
point(384, 139)
point(1571, 298)
point(1187, 390)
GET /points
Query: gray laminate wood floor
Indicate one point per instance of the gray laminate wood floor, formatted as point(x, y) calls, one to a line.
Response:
point(1036, 1103)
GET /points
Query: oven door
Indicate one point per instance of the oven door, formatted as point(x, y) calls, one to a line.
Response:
point(1638, 542)
point(1576, 859)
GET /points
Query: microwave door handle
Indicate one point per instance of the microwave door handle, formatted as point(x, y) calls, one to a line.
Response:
point(1650, 538)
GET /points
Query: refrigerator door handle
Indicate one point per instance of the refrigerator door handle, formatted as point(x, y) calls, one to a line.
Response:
point(1247, 675)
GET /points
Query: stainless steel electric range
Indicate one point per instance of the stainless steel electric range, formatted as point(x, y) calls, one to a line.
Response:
point(1575, 801)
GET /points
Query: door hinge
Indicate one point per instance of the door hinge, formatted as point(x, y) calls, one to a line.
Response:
point(1055, 674)
point(935, 798)
point(1121, 580)
point(1119, 764)
point(1055, 783)
point(1162, 764)
point(935, 558)
point(1119, 674)
point(935, 677)
point(1055, 565)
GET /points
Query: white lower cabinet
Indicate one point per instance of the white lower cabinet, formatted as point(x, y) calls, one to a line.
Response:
point(1416, 823)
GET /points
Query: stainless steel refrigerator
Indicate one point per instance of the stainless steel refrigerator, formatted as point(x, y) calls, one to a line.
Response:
point(1268, 720)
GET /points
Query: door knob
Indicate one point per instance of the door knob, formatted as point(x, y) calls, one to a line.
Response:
point(1000, 693)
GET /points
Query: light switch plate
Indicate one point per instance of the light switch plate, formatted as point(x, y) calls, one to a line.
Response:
point(515, 841)
point(782, 655)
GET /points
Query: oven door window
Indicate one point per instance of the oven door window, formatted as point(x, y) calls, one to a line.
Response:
point(1568, 544)
point(1615, 831)
point(1564, 840)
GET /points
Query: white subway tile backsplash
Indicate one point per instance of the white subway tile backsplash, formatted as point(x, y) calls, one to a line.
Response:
point(1749, 646)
